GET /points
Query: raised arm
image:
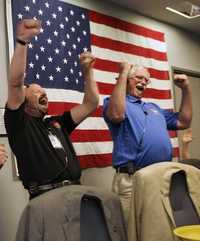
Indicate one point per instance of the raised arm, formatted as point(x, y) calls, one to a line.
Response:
point(91, 96)
point(185, 111)
point(116, 107)
point(26, 29)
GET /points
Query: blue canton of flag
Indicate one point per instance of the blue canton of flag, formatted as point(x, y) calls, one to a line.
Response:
point(53, 55)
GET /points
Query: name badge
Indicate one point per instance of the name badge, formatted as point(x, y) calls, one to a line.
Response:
point(55, 141)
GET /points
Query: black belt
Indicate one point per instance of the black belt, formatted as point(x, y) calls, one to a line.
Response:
point(129, 168)
point(35, 190)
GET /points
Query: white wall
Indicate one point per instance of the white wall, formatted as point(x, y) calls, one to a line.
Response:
point(183, 52)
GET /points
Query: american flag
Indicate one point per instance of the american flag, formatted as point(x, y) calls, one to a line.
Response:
point(53, 62)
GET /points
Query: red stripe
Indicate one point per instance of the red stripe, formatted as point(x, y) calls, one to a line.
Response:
point(157, 94)
point(113, 66)
point(127, 48)
point(125, 26)
point(172, 134)
point(176, 152)
point(57, 108)
point(106, 89)
point(90, 135)
point(97, 160)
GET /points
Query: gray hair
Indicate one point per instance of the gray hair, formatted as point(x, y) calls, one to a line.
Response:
point(134, 69)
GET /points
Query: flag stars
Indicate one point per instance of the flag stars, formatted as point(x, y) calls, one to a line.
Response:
point(77, 23)
point(73, 29)
point(76, 81)
point(48, 23)
point(54, 15)
point(36, 56)
point(68, 36)
point(36, 38)
point(42, 49)
point(51, 77)
point(84, 33)
point(20, 16)
point(43, 67)
point(30, 46)
point(80, 73)
point(66, 19)
point(40, 12)
point(71, 71)
point(79, 39)
point(47, 5)
point(50, 59)
point(69, 53)
point(83, 16)
point(49, 41)
point(75, 63)
point(60, 9)
point(85, 49)
point(66, 79)
point(62, 26)
point(63, 43)
point(58, 69)
point(74, 46)
point(57, 51)
point(71, 12)
point(41, 30)
point(33, 1)
point(37, 76)
point(31, 65)
point(65, 61)
point(55, 33)
point(27, 8)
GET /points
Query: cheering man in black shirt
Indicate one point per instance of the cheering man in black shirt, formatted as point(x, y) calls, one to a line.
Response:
point(45, 155)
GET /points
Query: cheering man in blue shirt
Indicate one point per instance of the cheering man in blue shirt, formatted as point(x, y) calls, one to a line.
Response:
point(139, 129)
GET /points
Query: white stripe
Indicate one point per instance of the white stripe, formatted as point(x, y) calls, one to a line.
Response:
point(127, 37)
point(85, 148)
point(60, 95)
point(117, 56)
point(109, 78)
point(174, 142)
point(93, 123)
point(165, 104)
point(160, 84)
point(88, 148)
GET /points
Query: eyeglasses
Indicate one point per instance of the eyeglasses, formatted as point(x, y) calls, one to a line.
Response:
point(140, 77)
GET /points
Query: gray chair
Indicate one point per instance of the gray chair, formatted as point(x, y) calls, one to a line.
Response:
point(184, 211)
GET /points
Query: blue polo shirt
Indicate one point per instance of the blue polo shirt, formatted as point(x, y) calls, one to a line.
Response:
point(142, 137)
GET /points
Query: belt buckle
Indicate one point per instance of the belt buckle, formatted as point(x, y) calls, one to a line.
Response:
point(66, 182)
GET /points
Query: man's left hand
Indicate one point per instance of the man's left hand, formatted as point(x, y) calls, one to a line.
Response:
point(181, 81)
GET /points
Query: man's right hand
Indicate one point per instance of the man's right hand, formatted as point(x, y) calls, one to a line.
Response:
point(28, 28)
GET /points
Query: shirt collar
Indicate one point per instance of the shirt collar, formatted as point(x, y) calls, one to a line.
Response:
point(133, 99)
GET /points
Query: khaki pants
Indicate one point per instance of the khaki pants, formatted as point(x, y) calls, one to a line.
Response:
point(122, 186)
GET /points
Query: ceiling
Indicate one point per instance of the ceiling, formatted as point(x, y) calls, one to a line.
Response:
point(156, 9)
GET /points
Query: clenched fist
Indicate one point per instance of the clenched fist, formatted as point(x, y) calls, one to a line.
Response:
point(87, 60)
point(28, 28)
point(181, 81)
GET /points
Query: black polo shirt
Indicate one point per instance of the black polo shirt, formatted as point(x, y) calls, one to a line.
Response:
point(38, 161)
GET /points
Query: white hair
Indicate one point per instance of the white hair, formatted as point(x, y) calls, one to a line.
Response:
point(134, 69)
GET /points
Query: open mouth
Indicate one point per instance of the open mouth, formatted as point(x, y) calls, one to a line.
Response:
point(140, 87)
point(43, 100)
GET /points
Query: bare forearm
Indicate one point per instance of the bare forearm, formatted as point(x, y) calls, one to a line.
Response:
point(185, 151)
point(91, 97)
point(185, 112)
point(116, 107)
point(18, 66)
